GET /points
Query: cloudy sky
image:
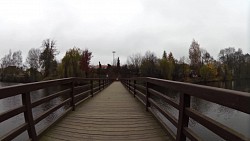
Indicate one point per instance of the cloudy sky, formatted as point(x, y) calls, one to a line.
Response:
point(125, 26)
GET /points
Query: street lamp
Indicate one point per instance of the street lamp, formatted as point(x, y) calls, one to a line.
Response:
point(113, 58)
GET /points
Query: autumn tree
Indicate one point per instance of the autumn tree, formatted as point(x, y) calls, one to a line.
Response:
point(85, 60)
point(47, 57)
point(195, 55)
point(208, 71)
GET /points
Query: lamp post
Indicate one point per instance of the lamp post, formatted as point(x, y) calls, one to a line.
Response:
point(113, 58)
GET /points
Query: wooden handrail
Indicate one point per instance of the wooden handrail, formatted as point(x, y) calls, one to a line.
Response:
point(74, 93)
point(233, 99)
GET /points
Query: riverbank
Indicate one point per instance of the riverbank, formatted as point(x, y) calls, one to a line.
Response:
point(198, 80)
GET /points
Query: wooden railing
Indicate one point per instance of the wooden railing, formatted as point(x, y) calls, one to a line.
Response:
point(77, 90)
point(144, 90)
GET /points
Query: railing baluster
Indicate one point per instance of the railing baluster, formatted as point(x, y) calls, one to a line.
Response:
point(147, 95)
point(72, 95)
point(99, 82)
point(91, 88)
point(28, 116)
point(129, 85)
point(103, 84)
point(183, 118)
point(134, 87)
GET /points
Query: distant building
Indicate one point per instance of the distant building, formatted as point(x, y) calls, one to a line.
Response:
point(97, 66)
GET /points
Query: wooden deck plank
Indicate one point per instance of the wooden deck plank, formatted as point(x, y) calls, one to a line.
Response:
point(113, 114)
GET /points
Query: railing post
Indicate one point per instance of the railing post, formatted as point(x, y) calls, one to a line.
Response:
point(28, 116)
point(134, 87)
point(183, 118)
point(147, 95)
point(72, 95)
point(91, 88)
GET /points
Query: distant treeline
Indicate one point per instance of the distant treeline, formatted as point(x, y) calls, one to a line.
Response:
point(199, 66)
point(41, 64)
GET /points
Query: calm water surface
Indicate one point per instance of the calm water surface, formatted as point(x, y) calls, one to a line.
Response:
point(14, 102)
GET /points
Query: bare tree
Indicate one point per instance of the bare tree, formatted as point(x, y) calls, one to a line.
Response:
point(195, 55)
point(17, 59)
point(33, 58)
point(12, 59)
point(135, 60)
point(6, 60)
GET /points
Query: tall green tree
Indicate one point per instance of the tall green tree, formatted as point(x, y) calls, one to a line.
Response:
point(164, 66)
point(167, 66)
point(171, 62)
point(70, 63)
point(47, 57)
point(164, 56)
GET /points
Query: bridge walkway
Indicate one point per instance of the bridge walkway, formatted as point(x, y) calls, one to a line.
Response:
point(113, 114)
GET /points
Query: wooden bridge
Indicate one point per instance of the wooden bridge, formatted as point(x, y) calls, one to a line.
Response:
point(97, 110)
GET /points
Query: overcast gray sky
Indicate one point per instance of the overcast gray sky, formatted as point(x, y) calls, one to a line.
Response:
point(125, 26)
